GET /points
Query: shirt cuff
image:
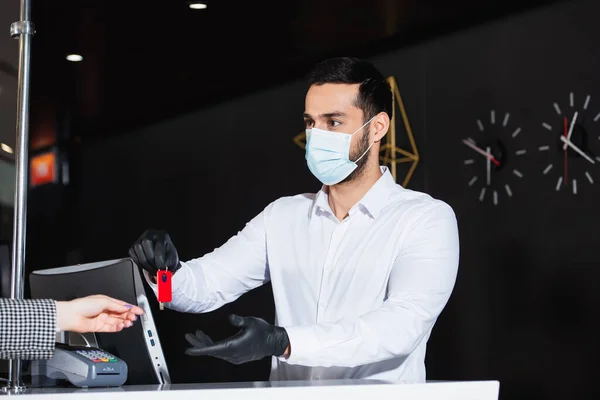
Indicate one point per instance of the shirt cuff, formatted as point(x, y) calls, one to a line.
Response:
point(56, 330)
point(149, 278)
point(302, 342)
point(28, 328)
point(181, 276)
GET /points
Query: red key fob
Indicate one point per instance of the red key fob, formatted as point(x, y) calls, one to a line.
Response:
point(165, 291)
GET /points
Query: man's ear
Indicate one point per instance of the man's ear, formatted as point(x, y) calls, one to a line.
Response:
point(380, 126)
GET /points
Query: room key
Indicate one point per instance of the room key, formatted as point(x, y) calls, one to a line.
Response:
point(165, 292)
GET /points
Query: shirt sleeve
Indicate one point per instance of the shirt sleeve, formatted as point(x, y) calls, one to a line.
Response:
point(220, 277)
point(419, 287)
point(27, 329)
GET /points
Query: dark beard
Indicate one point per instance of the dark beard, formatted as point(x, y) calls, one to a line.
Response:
point(363, 145)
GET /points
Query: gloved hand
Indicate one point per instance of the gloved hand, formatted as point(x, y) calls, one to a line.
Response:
point(256, 339)
point(154, 250)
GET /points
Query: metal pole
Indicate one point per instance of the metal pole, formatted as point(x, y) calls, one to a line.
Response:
point(24, 31)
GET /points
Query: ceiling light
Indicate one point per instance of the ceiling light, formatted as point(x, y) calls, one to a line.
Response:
point(74, 57)
point(6, 148)
point(198, 6)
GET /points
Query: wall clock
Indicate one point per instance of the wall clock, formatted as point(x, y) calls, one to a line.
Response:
point(570, 143)
point(492, 157)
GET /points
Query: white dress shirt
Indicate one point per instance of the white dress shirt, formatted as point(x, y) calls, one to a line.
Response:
point(358, 298)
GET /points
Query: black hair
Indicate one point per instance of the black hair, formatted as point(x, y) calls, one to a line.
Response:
point(374, 93)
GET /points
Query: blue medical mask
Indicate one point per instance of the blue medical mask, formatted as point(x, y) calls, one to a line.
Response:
point(328, 154)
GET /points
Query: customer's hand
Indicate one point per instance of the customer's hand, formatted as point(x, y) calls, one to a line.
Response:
point(96, 313)
point(154, 250)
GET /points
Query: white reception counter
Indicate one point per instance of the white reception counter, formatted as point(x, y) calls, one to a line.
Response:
point(298, 390)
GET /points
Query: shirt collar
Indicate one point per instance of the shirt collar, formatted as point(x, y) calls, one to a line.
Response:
point(372, 202)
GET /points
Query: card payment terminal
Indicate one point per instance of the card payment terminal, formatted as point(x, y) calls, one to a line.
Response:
point(81, 366)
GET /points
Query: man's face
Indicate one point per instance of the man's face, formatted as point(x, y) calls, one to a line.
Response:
point(331, 107)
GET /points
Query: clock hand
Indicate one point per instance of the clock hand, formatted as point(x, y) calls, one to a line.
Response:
point(570, 129)
point(577, 149)
point(482, 152)
point(488, 167)
point(565, 180)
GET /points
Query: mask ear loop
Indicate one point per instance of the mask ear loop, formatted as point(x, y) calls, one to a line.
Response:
point(366, 123)
point(371, 145)
point(363, 154)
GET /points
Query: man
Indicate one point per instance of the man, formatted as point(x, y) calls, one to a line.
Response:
point(360, 270)
point(28, 327)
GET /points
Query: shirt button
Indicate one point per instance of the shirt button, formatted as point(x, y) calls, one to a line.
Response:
point(316, 378)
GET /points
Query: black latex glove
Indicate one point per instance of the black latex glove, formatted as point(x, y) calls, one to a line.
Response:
point(256, 339)
point(154, 250)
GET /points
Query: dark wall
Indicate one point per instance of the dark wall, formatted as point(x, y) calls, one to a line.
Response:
point(523, 308)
